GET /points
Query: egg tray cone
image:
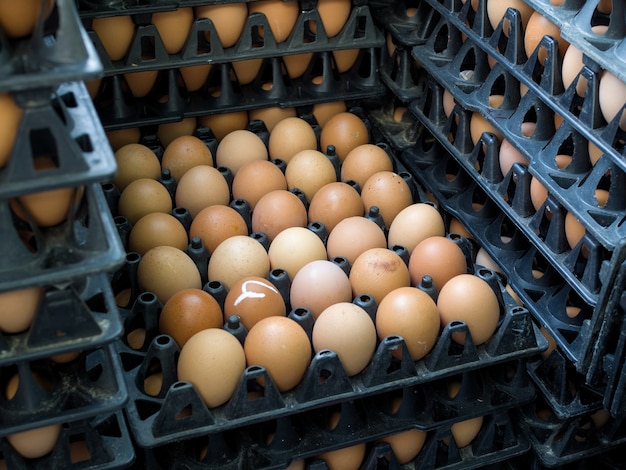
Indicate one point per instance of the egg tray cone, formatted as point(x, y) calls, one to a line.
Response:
point(58, 51)
point(106, 438)
point(401, 74)
point(60, 123)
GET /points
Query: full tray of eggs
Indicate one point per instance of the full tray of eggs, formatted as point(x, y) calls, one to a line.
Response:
point(313, 191)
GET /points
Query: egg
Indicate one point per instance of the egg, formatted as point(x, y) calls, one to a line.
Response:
point(345, 458)
point(213, 361)
point(257, 178)
point(228, 20)
point(195, 76)
point(187, 312)
point(271, 115)
point(290, 136)
point(479, 124)
point(200, 187)
point(465, 431)
point(281, 16)
point(282, 347)
point(405, 445)
point(345, 59)
point(363, 161)
point(37, 442)
point(238, 148)
point(345, 131)
point(510, 155)
point(222, 124)
point(252, 299)
point(326, 110)
point(115, 34)
point(157, 229)
point(539, 26)
point(457, 227)
point(277, 211)
point(378, 271)
point(19, 308)
point(309, 170)
point(413, 224)
point(10, 118)
point(165, 270)
point(353, 236)
point(348, 330)
point(484, 259)
point(247, 70)
point(497, 9)
point(216, 223)
point(297, 64)
point(185, 152)
point(412, 314)
point(169, 131)
point(469, 299)
point(389, 192)
point(293, 248)
point(334, 15)
point(334, 202)
point(173, 27)
point(237, 257)
point(143, 196)
point(119, 137)
point(135, 161)
point(573, 64)
point(141, 83)
point(47, 208)
point(612, 94)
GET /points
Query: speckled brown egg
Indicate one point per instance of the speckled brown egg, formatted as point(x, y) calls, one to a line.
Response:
point(183, 153)
point(216, 223)
point(277, 211)
point(334, 202)
point(389, 192)
point(257, 178)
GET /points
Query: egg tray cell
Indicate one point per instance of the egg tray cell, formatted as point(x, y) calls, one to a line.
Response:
point(48, 392)
point(69, 318)
point(400, 134)
point(87, 242)
point(147, 50)
point(58, 51)
point(60, 124)
point(546, 297)
point(401, 74)
point(574, 186)
point(118, 109)
point(408, 30)
point(105, 436)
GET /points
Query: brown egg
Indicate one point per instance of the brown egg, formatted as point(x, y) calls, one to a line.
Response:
point(10, 118)
point(119, 137)
point(363, 161)
point(281, 16)
point(413, 224)
point(539, 26)
point(295, 247)
point(135, 161)
point(247, 70)
point(143, 196)
point(309, 171)
point(457, 227)
point(469, 299)
point(37, 442)
point(345, 59)
point(510, 155)
point(257, 178)
point(348, 330)
point(296, 64)
point(438, 257)
point(165, 270)
point(19, 308)
point(271, 115)
point(465, 431)
point(19, 19)
point(334, 14)
point(290, 136)
point(168, 131)
point(496, 11)
point(141, 83)
point(238, 148)
point(223, 124)
point(378, 271)
point(183, 153)
point(612, 94)
point(253, 298)
point(213, 361)
point(480, 125)
point(345, 131)
point(345, 458)
point(173, 27)
point(47, 208)
point(406, 445)
point(282, 347)
point(153, 383)
point(216, 223)
point(195, 76)
point(551, 342)
point(228, 20)
point(412, 314)
point(79, 451)
point(389, 192)
point(334, 202)
point(277, 211)
point(201, 186)
point(157, 229)
point(573, 64)
point(353, 236)
point(238, 257)
point(326, 110)
point(187, 312)
point(115, 33)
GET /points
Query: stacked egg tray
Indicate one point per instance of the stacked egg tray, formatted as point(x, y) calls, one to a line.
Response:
point(68, 373)
point(170, 99)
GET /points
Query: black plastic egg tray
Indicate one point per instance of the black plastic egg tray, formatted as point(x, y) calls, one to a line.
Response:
point(59, 50)
point(401, 73)
point(105, 436)
point(409, 29)
point(50, 392)
point(87, 242)
point(60, 123)
point(71, 317)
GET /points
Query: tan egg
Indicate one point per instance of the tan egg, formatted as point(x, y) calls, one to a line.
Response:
point(573, 64)
point(136, 338)
point(334, 202)
point(10, 119)
point(318, 285)
point(406, 445)
point(345, 458)
point(345, 59)
point(19, 19)
point(438, 257)
point(334, 14)
point(271, 115)
point(183, 153)
point(64, 358)
point(484, 259)
point(326, 110)
point(378, 271)
point(309, 171)
point(353, 236)
point(253, 298)
point(480, 125)
point(238, 148)
point(173, 27)
point(213, 361)
point(141, 83)
point(228, 20)
point(247, 70)
point(281, 16)
point(612, 95)
point(19, 308)
point(290, 136)
point(257, 178)
point(187, 312)
point(216, 223)
point(277, 211)
point(345, 131)
point(47, 208)
point(143, 196)
point(295, 247)
point(119, 137)
point(469, 299)
point(539, 26)
point(457, 227)
point(348, 330)
point(157, 229)
point(37, 442)
point(165, 270)
point(496, 11)
point(153, 383)
point(413, 224)
point(389, 192)
point(594, 153)
point(202, 186)
point(448, 102)
point(296, 64)
point(538, 193)
point(224, 123)
point(465, 431)
point(169, 131)
point(363, 161)
point(135, 161)
point(412, 314)
point(238, 257)
point(79, 451)
point(195, 76)
point(115, 33)
point(282, 347)
point(510, 155)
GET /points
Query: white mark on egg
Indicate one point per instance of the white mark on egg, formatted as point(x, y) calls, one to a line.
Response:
point(246, 294)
